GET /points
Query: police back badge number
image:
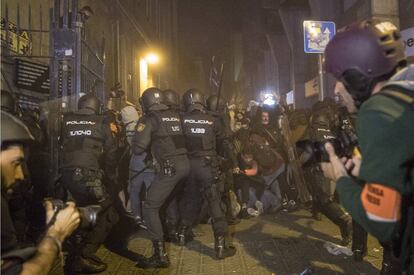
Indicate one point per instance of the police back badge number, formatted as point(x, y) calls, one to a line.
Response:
point(140, 127)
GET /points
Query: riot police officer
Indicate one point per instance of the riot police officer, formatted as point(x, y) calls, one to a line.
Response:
point(347, 118)
point(216, 108)
point(322, 127)
point(172, 213)
point(171, 99)
point(201, 132)
point(159, 131)
point(85, 139)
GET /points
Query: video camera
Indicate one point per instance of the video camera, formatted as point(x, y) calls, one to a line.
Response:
point(344, 141)
point(317, 150)
point(88, 215)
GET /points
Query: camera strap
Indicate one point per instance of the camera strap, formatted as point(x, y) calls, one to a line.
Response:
point(57, 243)
point(53, 219)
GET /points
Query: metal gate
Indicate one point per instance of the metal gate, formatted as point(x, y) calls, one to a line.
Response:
point(74, 66)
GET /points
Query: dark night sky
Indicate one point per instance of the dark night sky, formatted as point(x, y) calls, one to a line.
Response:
point(204, 26)
point(205, 29)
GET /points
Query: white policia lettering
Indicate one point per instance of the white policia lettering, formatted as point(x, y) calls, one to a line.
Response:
point(200, 121)
point(81, 133)
point(171, 119)
point(80, 122)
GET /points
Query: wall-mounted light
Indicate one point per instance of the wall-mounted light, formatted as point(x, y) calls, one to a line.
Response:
point(152, 58)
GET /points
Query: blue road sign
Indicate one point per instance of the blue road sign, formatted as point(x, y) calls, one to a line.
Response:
point(316, 35)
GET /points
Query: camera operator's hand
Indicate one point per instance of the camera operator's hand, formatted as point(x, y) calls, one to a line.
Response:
point(334, 169)
point(50, 247)
point(67, 220)
point(353, 165)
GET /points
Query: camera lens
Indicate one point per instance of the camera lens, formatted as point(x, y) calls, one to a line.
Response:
point(88, 216)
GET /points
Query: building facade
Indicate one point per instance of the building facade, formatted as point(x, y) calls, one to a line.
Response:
point(120, 33)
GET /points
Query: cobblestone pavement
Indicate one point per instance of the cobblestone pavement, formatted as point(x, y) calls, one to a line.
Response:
point(285, 244)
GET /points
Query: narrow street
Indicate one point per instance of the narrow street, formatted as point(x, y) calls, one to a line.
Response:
point(167, 112)
point(287, 244)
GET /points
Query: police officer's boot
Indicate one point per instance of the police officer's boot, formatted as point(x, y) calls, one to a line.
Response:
point(158, 260)
point(172, 234)
point(346, 230)
point(223, 251)
point(316, 214)
point(337, 215)
point(184, 235)
point(359, 242)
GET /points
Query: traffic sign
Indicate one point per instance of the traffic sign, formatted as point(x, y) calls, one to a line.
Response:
point(408, 37)
point(316, 35)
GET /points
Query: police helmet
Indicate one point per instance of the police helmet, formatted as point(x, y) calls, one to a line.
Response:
point(363, 54)
point(151, 98)
point(320, 120)
point(171, 98)
point(194, 99)
point(13, 130)
point(8, 102)
point(212, 103)
point(327, 104)
point(90, 101)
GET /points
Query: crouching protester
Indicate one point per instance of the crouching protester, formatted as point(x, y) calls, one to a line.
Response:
point(37, 259)
point(382, 85)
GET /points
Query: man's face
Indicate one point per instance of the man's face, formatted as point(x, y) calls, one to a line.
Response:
point(12, 163)
point(265, 118)
point(346, 98)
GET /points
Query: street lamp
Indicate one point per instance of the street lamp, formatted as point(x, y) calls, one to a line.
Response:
point(145, 63)
point(152, 58)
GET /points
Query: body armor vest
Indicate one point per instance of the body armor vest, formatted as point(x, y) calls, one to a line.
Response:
point(199, 133)
point(83, 140)
point(167, 139)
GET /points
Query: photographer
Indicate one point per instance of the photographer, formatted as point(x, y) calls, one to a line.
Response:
point(383, 89)
point(31, 260)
